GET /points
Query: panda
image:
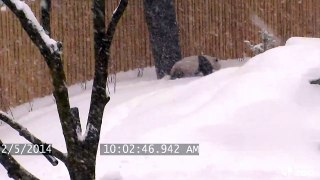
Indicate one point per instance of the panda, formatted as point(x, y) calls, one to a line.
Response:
point(194, 65)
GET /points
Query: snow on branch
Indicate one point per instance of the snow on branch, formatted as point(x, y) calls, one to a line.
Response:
point(31, 138)
point(268, 38)
point(36, 31)
point(45, 15)
point(268, 42)
point(50, 50)
point(117, 13)
point(263, 26)
point(2, 6)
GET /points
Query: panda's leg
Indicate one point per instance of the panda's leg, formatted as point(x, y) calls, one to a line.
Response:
point(205, 66)
point(177, 74)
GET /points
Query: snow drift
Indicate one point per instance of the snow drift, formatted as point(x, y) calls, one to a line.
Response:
point(257, 121)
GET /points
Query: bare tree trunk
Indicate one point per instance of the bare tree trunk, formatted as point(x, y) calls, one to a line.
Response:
point(164, 34)
point(81, 158)
point(81, 163)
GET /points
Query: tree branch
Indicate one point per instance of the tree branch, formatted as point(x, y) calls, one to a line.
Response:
point(15, 170)
point(50, 50)
point(30, 24)
point(81, 156)
point(317, 81)
point(34, 140)
point(103, 40)
point(113, 23)
point(45, 15)
point(76, 117)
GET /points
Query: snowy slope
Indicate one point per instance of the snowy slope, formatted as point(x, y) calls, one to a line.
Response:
point(257, 121)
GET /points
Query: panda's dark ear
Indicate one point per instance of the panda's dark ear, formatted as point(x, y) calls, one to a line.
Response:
point(216, 60)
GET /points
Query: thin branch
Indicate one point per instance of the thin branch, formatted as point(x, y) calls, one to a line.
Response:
point(317, 81)
point(45, 15)
point(50, 50)
point(115, 83)
point(34, 140)
point(15, 170)
point(114, 21)
point(32, 27)
point(102, 39)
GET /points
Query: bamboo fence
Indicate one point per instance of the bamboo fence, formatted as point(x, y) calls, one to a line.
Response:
point(213, 27)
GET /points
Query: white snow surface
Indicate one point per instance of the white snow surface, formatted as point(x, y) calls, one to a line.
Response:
point(256, 121)
point(302, 40)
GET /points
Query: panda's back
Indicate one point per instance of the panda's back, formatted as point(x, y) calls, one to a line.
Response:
point(189, 65)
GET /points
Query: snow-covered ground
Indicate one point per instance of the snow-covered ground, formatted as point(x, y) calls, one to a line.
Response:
point(256, 121)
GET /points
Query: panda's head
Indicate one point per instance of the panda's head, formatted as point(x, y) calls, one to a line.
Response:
point(214, 61)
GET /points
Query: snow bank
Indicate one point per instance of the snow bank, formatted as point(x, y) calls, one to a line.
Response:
point(303, 41)
point(257, 121)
